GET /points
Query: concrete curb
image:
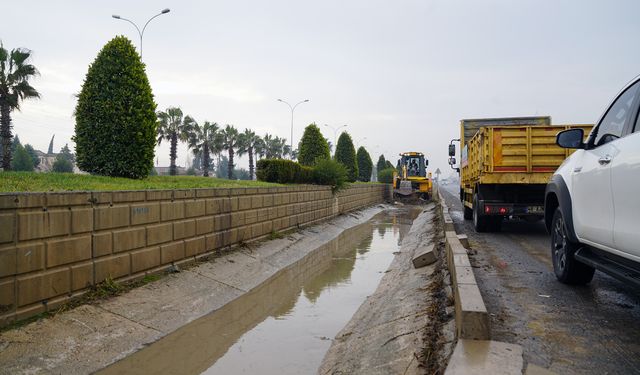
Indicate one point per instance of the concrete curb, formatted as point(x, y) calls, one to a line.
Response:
point(472, 318)
point(474, 353)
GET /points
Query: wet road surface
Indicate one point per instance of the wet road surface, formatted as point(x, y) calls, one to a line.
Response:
point(593, 329)
point(285, 325)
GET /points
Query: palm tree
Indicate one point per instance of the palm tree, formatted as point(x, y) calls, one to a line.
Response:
point(202, 140)
point(275, 147)
point(172, 127)
point(260, 148)
point(229, 139)
point(250, 142)
point(15, 73)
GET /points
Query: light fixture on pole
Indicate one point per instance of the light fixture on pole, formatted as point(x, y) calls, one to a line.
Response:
point(292, 109)
point(335, 132)
point(141, 33)
point(359, 141)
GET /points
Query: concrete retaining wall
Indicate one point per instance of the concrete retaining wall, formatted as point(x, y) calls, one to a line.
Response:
point(53, 246)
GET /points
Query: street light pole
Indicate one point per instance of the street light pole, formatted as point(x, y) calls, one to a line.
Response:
point(335, 132)
point(141, 33)
point(293, 108)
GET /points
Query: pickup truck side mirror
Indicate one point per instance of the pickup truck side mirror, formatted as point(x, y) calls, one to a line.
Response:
point(571, 138)
point(452, 150)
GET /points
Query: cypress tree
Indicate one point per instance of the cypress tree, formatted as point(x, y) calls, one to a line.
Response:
point(381, 164)
point(365, 165)
point(313, 146)
point(115, 132)
point(346, 154)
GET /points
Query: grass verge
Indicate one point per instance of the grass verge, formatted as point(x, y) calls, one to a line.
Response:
point(40, 182)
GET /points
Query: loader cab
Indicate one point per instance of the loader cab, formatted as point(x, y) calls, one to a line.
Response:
point(414, 164)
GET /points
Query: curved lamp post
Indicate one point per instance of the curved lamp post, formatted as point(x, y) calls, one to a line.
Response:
point(141, 33)
point(335, 132)
point(292, 109)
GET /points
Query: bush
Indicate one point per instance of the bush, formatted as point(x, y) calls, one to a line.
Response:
point(330, 172)
point(313, 146)
point(304, 175)
point(21, 160)
point(386, 175)
point(346, 154)
point(277, 170)
point(325, 172)
point(115, 131)
point(365, 165)
point(62, 165)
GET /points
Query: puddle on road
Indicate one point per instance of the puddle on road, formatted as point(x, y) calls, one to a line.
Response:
point(285, 325)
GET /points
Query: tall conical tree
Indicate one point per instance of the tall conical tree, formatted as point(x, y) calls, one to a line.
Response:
point(381, 164)
point(365, 165)
point(346, 154)
point(313, 146)
point(115, 116)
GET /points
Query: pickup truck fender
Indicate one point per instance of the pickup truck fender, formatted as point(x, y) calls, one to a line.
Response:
point(557, 195)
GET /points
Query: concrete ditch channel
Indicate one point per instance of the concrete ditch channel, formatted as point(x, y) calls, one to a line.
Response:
point(263, 303)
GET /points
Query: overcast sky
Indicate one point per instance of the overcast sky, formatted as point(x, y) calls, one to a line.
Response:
point(400, 73)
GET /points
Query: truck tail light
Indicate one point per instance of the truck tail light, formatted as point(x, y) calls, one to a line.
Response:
point(496, 210)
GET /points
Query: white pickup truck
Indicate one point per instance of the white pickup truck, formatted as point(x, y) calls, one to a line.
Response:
point(592, 203)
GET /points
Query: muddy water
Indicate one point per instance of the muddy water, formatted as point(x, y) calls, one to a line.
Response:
point(285, 325)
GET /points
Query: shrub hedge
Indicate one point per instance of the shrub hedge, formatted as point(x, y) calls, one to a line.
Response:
point(325, 172)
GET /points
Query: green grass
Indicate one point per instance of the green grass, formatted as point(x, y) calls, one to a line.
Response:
point(33, 182)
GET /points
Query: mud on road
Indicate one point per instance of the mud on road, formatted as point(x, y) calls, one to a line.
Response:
point(591, 329)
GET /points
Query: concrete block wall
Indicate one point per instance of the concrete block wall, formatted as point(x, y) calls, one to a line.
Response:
point(53, 246)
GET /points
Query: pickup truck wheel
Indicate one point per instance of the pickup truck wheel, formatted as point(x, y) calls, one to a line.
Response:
point(567, 269)
point(480, 221)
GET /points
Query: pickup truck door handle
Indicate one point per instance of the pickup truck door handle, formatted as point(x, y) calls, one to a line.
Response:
point(605, 160)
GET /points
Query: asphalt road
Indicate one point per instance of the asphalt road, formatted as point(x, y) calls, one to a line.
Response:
point(593, 329)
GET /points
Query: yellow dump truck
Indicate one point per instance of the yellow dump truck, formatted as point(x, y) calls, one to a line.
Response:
point(505, 164)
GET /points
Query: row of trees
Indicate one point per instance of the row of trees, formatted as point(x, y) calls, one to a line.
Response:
point(211, 139)
point(314, 147)
point(25, 159)
point(117, 126)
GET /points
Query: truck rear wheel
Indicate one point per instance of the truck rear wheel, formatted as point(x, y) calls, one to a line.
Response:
point(480, 221)
point(567, 269)
point(495, 223)
point(468, 213)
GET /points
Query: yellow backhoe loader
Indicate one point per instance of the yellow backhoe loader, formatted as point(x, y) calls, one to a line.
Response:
point(410, 179)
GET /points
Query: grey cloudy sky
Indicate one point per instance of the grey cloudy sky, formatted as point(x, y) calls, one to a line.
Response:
point(400, 73)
